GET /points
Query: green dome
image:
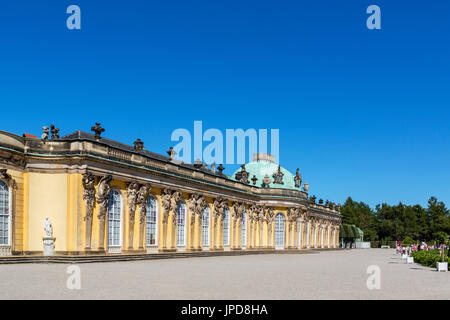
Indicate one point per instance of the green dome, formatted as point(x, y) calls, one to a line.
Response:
point(260, 168)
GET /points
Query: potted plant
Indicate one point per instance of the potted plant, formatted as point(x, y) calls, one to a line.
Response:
point(442, 265)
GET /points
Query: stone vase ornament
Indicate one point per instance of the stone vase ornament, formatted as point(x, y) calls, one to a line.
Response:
point(49, 240)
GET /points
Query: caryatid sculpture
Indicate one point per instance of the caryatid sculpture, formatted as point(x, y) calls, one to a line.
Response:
point(260, 218)
point(132, 191)
point(165, 199)
point(251, 224)
point(142, 204)
point(103, 190)
point(270, 215)
point(197, 205)
point(174, 202)
point(88, 181)
point(220, 204)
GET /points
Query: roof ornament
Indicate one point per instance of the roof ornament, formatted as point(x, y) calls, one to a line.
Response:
point(242, 176)
point(45, 133)
point(254, 179)
point(220, 168)
point(54, 131)
point(278, 176)
point(138, 145)
point(313, 199)
point(98, 130)
point(266, 181)
point(298, 179)
point(198, 163)
point(171, 153)
point(306, 187)
point(213, 167)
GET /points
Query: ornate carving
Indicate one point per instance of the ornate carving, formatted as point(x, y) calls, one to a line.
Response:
point(142, 201)
point(88, 181)
point(98, 130)
point(45, 133)
point(54, 131)
point(165, 197)
point(103, 194)
point(138, 145)
point(220, 169)
point(242, 176)
point(306, 187)
point(298, 179)
point(278, 176)
point(254, 180)
point(270, 215)
point(197, 204)
point(132, 190)
point(174, 202)
point(220, 204)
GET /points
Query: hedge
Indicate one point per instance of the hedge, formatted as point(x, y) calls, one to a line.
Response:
point(428, 258)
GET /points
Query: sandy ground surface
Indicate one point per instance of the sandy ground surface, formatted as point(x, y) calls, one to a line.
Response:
point(327, 275)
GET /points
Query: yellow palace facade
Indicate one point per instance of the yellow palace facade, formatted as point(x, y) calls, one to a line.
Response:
point(105, 197)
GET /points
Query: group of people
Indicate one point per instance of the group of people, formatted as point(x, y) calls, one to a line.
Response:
point(418, 247)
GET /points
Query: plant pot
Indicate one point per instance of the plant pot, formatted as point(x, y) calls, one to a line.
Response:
point(410, 260)
point(442, 266)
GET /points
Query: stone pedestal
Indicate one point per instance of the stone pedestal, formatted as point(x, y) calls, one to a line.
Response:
point(49, 246)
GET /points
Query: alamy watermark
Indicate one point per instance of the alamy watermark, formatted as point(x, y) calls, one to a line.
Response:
point(374, 280)
point(74, 280)
point(236, 141)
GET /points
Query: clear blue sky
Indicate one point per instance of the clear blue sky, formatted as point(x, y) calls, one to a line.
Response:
point(362, 113)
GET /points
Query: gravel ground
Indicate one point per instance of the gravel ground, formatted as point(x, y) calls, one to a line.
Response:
point(327, 275)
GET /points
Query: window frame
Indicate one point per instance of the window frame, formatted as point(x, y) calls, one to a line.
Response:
point(181, 205)
point(9, 234)
point(121, 226)
point(155, 199)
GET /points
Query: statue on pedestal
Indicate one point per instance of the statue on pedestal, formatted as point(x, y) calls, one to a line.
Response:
point(49, 240)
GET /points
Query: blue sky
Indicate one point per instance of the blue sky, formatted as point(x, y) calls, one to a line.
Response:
point(362, 113)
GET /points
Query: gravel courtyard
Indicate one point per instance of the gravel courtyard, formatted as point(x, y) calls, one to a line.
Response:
point(326, 275)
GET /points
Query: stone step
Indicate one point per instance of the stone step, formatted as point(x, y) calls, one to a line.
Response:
point(140, 257)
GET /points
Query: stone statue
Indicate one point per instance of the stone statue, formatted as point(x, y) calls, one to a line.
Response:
point(298, 179)
point(54, 131)
point(45, 133)
point(48, 227)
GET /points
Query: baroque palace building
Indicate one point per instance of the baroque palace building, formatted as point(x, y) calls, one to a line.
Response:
point(105, 197)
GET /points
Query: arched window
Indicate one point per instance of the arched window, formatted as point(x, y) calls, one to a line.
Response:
point(114, 219)
point(279, 231)
point(4, 214)
point(205, 227)
point(152, 218)
point(226, 228)
point(244, 230)
point(181, 222)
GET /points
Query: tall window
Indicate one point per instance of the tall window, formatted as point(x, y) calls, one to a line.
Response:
point(205, 227)
point(4, 213)
point(279, 231)
point(226, 228)
point(114, 218)
point(181, 221)
point(299, 231)
point(152, 216)
point(244, 230)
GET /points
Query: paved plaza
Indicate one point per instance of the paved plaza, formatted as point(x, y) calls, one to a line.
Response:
point(325, 275)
